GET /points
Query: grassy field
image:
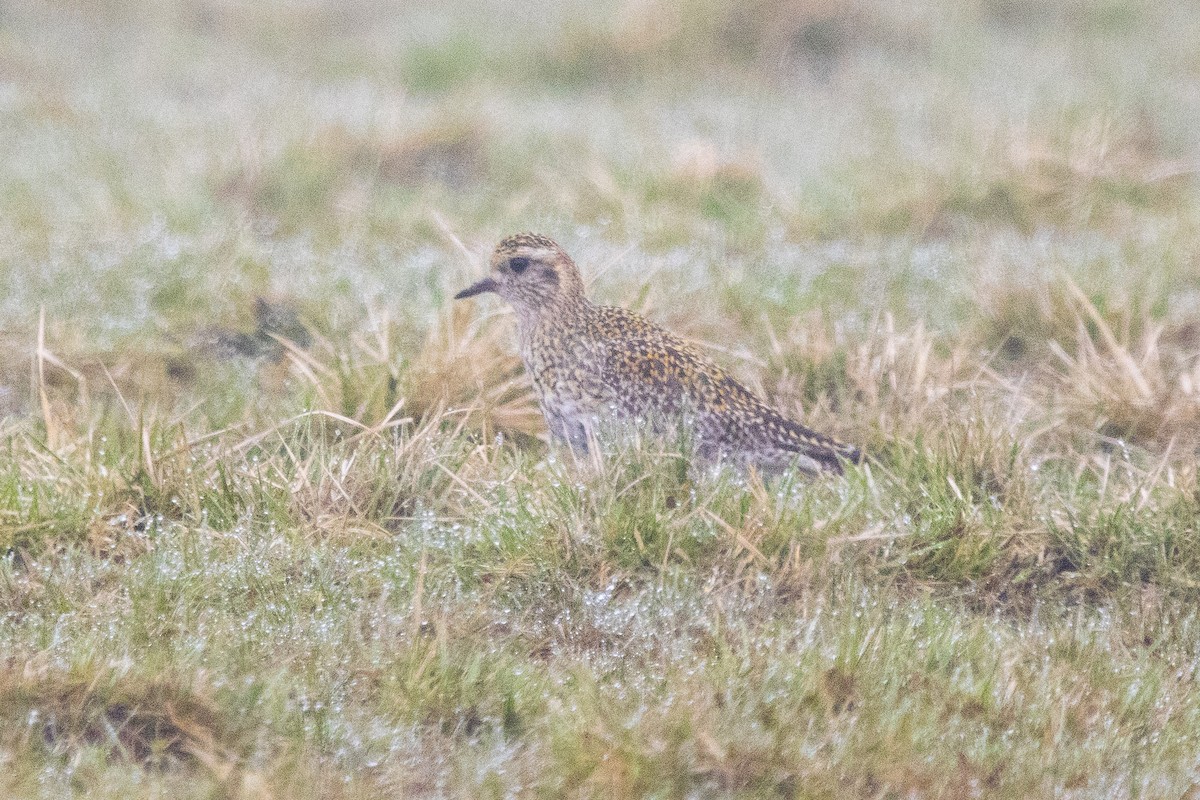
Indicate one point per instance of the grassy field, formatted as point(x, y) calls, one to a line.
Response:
point(279, 520)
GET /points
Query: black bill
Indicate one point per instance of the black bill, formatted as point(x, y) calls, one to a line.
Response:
point(485, 285)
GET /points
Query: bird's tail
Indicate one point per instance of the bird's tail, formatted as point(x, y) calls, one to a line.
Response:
point(828, 452)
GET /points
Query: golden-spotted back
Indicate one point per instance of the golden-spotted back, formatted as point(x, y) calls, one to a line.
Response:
point(595, 364)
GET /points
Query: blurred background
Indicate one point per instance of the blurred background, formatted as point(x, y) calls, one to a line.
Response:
point(186, 182)
point(260, 536)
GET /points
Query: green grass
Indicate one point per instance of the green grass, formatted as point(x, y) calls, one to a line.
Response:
point(278, 519)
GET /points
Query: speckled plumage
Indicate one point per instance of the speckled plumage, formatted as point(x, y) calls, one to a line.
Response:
point(592, 365)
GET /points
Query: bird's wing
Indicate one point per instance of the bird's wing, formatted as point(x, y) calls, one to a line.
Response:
point(647, 369)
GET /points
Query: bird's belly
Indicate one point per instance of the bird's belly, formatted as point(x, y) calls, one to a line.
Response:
point(570, 399)
point(570, 417)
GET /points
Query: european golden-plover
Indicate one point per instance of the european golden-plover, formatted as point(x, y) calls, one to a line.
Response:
point(593, 365)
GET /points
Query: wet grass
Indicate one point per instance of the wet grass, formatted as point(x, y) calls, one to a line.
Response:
point(278, 519)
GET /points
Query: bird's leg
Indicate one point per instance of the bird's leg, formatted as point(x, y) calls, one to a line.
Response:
point(569, 430)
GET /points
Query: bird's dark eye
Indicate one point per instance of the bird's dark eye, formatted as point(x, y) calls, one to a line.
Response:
point(518, 265)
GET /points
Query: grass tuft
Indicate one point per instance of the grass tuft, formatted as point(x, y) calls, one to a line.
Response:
point(144, 721)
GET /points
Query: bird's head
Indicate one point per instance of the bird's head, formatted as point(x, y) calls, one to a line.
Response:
point(532, 273)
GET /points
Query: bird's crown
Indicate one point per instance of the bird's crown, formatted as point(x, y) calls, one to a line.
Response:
point(519, 241)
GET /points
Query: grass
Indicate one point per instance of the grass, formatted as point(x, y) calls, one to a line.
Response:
point(279, 519)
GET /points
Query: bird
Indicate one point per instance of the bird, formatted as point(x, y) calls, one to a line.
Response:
point(595, 367)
